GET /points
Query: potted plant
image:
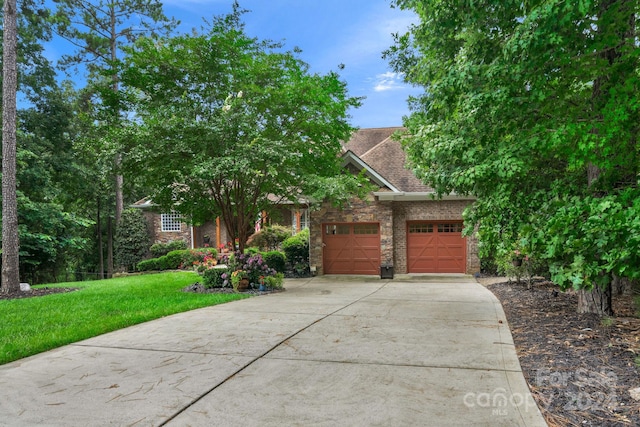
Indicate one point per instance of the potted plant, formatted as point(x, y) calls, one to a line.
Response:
point(240, 280)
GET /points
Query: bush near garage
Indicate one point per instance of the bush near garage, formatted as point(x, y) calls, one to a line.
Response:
point(296, 249)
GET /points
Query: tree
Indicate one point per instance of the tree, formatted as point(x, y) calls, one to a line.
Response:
point(99, 29)
point(533, 108)
point(225, 122)
point(51, 185)
point(10, 241)
point(132, 240)
point(45, 168)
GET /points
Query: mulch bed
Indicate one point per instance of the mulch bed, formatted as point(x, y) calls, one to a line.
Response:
point(580, 367)
point(196, 287)
point(35, 293)
point(199, 288)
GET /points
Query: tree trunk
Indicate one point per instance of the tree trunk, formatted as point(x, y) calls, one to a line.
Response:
point(119, 189)
point(10, 239)
point(596, 301)
point(119, 182)
point(623, 286)
point(100, 253)
point(109, 248)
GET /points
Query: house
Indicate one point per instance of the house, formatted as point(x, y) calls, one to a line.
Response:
point(400, 224)
point(169, 226)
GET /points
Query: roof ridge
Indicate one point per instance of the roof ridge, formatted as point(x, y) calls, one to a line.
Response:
point(376, 146)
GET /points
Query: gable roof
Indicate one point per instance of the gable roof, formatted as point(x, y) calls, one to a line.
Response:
point(350, 158)
point(385, 158)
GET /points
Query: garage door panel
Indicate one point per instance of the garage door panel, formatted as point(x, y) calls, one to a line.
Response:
point(436, 248)
point(351, 248)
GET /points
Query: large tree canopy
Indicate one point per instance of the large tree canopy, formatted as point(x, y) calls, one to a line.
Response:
point(533, 107)
point(225, 122)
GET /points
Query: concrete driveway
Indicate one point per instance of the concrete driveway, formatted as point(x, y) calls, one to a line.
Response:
point(330, 351)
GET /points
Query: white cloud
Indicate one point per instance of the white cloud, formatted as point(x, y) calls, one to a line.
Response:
point(388, 81)
point(372, 34)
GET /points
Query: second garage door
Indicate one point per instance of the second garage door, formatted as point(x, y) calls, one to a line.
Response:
point(351, 248)
point(436, 247)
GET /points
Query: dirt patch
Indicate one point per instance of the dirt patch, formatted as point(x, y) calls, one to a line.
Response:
point(35, 293)
point(581, 368)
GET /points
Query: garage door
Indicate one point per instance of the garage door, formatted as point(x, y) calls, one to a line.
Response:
point(351, 248)
point(436, 247)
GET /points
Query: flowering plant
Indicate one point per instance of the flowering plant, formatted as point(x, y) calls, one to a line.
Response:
point(208, 261)
point(253, 265)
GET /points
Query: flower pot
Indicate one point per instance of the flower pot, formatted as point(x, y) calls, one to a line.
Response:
point(243, 285)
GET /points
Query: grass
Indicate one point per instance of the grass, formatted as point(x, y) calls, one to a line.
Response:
point(33, 325)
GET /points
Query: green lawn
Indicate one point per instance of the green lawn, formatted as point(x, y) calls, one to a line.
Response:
point(33, 325)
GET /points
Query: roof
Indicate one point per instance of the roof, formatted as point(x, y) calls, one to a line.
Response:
point(378, 149)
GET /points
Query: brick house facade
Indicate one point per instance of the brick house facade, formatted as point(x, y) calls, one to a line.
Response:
point(401, 206)
point(214, 233)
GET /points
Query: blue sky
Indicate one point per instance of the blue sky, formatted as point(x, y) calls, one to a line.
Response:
point(329, 32)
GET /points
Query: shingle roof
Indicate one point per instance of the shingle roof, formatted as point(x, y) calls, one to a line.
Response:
point(385, 155)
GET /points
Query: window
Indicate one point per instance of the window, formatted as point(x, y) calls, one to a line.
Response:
point(365, 229)
point(171, 221)
point(338, 229)
point(304, 220)
point(420, 228)
point(450, 228)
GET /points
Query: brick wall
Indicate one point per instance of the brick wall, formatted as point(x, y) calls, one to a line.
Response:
point(158, 236)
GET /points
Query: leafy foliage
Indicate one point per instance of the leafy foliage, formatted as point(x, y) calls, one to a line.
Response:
point(216, 277)
point(275, 260)
point(270, 238)
point(159, 249)
point(533, 108)
point(225, 120)
point(180, 259)
point(132, 239)
point(296, 249)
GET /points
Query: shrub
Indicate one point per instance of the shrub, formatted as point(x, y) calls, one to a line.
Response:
point(275, 260)
point(174, 259)
point(131, 240)
point(182, 259)
point(275, 281)
point(216, 278)
point(270, 238)
point(254, 266)
point(296, 248)
point(148, 265)
point(201, 258)
point(252, 250)
point(161, 249)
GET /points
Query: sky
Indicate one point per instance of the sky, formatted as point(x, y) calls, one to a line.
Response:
point(330, 33)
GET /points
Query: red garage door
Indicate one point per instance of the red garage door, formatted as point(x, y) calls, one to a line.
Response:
point(436, 247)
point(351, 248)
